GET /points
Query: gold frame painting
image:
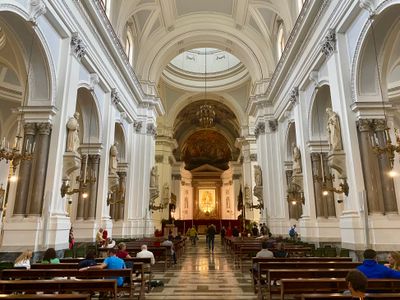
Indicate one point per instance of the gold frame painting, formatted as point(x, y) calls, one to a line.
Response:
point(207, 201)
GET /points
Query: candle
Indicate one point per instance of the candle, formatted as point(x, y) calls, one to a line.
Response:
point(85, 169)
point(322, 166)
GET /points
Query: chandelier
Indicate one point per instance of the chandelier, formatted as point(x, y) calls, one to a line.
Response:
point(383, 144)
point(206, 115)
point(206, 112)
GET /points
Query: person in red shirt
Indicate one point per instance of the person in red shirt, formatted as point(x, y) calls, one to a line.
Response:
point(122, 253)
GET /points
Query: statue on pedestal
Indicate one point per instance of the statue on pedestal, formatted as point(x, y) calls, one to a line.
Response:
point(113, 164)
point(335, 139)
point(296, 160)
point(154, 177)
point(73, 142)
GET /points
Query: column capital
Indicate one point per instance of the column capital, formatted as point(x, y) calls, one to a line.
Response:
point(77, 46)
point(30, 128)
point(44, 128)
point(329, 44)
point(365, 125)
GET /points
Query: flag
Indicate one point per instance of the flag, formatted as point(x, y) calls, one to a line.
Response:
point(240, 200)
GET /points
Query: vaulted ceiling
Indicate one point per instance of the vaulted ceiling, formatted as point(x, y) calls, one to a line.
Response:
point(164, 28)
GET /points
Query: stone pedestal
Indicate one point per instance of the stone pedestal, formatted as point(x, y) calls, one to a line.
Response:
point(71, 163)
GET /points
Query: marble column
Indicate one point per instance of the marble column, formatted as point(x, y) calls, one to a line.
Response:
point(372, 179)
point(24, 173)
point(94, 167)
point(122, 188)
point(388, 191)
point(328, 200)
point(42, 143)
point(317, 173)
point(81, 201)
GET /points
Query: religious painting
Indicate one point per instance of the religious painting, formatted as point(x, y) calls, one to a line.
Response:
point(207, 200)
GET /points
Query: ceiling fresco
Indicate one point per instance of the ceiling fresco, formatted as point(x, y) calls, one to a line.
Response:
point(206, 147)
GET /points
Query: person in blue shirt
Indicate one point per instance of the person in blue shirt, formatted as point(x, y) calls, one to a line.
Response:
point(112, 262)
point(372, 269)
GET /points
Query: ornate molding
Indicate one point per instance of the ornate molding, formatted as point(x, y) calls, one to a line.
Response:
point(94, 80)
point(329, 44)
point(151, 129)
point(294, 95)
point(159, 158)
point(77, 46)
point(260, 129)
point(44, 128)
point(176, 177)
point(138, 126)
point(273, 125)
point(236, 176)
point(253, 157)
point(365, 125)
point(37, 8)
point(115, 97)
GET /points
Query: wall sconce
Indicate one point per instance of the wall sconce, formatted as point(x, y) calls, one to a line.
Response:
point(120, 198)
point(154, 207)
point(65, 189)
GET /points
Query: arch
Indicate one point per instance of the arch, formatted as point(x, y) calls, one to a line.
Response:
point(202, 33)
point(89, 122)
point(364, 78)
point(182, 102)
point(317, 115)
point(119, 137)
point(31, 44)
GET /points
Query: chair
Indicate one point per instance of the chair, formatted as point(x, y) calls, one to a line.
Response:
point(344, 253)
point(6, 265)
point(330, 252)
point(319, 252)
point(80, 252)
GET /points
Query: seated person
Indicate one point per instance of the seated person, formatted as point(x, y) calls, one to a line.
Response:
point(280, 251)
point(372, 269)
point(393, 260)
point(122, 253)
point(112, 262)
point(178, 236)
point(146, 254)
point(169, 243)
point(88, 261)
point(50, 257)
point(23, 261)
point(263, 253)
point(357, 284)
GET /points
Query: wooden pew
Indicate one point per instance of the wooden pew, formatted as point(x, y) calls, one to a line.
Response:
point(331, 285)
point(10, 274)
point(346, 297)
point(51, 286)
point(279, 274)
point(47, 296)
point(313, 262)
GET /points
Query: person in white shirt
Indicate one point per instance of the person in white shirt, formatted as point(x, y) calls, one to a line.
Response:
point(23, 261)
point(146, 254)
point(170, 244)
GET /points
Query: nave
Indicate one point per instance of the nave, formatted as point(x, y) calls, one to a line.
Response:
point(200, 274)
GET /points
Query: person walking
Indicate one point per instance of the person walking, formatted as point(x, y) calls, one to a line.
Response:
point(211, 237)
point(192, 235)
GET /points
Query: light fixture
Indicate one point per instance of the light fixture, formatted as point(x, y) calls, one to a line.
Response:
point(388, 148)
point(206, 112)
point(154, 207)
point(14, 153)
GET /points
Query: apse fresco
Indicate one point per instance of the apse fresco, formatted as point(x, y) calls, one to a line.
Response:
point(206, 147)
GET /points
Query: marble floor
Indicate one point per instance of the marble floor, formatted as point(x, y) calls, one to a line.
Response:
point(201, 274)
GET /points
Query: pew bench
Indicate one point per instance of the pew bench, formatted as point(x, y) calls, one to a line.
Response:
point(274, 276)
point(11, 274)
point(332, 285)
point(51, 286)
point(46, 296)
point(333, 296)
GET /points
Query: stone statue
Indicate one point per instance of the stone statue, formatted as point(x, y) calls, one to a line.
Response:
point(335, 139)
point(154, 177)
point(296, 160)
point(73, 133)
point(258, 175)
point(113, 164)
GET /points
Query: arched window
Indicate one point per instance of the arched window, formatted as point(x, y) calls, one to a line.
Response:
point(129, 46)
point(281, 39)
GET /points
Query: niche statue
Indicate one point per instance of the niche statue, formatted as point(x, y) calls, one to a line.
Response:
point(154, 177)
point(335, 139)
point(113, 164)
point(73, 142)
point(296, 160)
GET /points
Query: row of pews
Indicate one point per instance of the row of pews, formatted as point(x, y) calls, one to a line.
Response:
point(42, 280)
point(300, 276)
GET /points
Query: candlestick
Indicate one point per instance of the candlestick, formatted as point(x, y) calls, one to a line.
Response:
point(85, 169)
